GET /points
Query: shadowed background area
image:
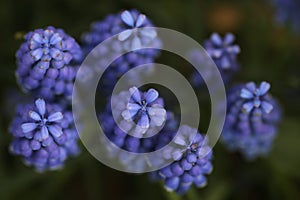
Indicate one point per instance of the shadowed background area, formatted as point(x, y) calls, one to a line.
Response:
point(268, 52)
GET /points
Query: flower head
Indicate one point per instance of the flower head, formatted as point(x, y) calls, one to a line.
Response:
point(45, 62)
point(254, 97)
point(190, 165)
point(143, 109)
point(44, 135)
point(223, 52)
point(127, 24)
point(251, 120)
point(134, 21)
point(287, 12)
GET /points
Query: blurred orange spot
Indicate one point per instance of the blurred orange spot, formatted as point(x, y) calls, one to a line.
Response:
point(224, 18)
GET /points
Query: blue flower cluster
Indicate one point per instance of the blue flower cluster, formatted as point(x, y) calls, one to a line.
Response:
point(44, 134)
point(127, 23)
point(224, 53)
point(136, 121)
point(190, 165)
point(252, 119)
point(287, 12)
point(135, 116)
point(47, 63)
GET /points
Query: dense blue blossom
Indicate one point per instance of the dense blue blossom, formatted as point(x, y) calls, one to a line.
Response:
point(288, 12)
point(46, 62)
point(224, 53)
point(143, 109)
point(140, 114)
point(191, 163)
point(251, 121)
point(126, 23)
point(44, 134)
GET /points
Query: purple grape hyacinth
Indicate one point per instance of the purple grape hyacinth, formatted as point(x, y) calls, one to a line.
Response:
point(190, 165)
point(126, 24)
point(287, 12)
point(143, 108)
point(251, 121)
point(47, 62)
point(224, 53)
point(44, 134)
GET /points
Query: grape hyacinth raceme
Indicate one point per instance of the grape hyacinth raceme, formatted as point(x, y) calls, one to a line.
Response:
point(140, 114)
point(47, 62)
point(223, 52)
point(143, 109)
point(190, 165)
point(251, 121)
point(44, 134)
point(287, 12)
point(130, 38)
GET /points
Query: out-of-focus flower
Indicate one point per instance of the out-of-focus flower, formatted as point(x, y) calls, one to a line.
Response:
point(224, 53)
point(252, 119)
point(287, 12)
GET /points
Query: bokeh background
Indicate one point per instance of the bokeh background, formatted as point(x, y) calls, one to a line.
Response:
point(269, 52)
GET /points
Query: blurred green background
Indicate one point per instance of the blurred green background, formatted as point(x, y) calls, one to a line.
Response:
point(269, 52)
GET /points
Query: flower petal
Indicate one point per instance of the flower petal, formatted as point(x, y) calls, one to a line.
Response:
point(44, 132)
point(37, 54)
point(251, 87)
point(216, 39)
point(246, 94)
point(136, 43)
point(35, 116)
point(234, 49)
point(56, 38)
point(55, 130)
point(229, 38)
point(135, 94)
point(41, 106)
point(140, 20)
point(38, 38)
point(149, 33)
point(267, 106)
point(56, 54)
point(225, 63)
point(55, 117)
point(151, 95)
point(180, 140)
point(132, 109)
point(144, 121)
point(127, 18)
point(125, 34)
point(28, 127)
point(247, 107)
point(263, 88)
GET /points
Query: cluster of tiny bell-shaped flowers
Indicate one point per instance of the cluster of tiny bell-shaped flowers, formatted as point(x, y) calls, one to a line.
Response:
point(47, 63)
point(252, 119)
point(43, 132)
point(191, 156)
point(44, 135)
point(223, 52)
point(132, 117)
point(128, 25)
point(287, 12)
point(192, 162)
